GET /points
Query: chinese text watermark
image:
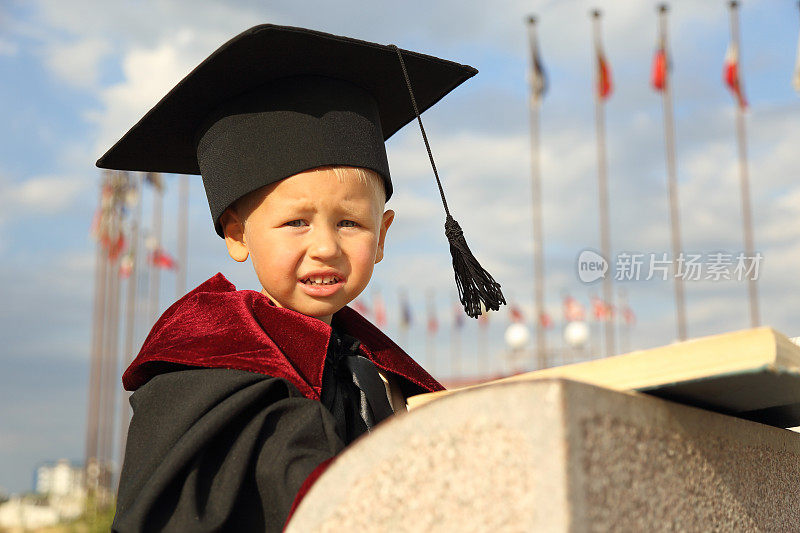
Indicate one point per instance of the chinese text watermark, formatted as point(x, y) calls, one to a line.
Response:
point(640, 266)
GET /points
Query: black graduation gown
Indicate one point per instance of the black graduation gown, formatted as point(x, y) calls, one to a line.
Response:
point(228, 428)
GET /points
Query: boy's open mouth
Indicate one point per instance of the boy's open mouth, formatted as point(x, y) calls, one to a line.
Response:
point(321, 280)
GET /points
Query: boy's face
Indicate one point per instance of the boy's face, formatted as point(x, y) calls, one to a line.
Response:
point(313, 240)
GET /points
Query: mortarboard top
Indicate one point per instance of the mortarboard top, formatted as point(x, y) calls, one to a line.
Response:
point(278, 100)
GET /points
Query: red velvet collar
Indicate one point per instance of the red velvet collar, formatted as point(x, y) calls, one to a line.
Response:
point(216, 326)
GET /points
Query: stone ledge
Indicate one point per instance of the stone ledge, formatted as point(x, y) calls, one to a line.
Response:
point(556, 455)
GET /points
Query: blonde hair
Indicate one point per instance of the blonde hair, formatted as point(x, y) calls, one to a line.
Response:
point(364, 175)
point(245, 205)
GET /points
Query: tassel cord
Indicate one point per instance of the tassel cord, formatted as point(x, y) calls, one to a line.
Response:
point(475, 285)
point(422, 129)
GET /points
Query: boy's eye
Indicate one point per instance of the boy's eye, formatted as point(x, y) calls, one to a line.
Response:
point(296, 223)
point(348, 223)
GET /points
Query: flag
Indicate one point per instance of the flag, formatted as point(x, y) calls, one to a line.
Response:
point(458, 316)
point(131, 199)
point(154, 179)
point(796, 77)
point(516, 314)
point(545, 320)
point(405, 311)
point(360, 307)
point(538, 75)
point(732, 76)
point(628, 316)
point(658, 76)
point(99, 229)
point(433, 322)
point(116, 246)
point(601, 310)
point(380, 310)
point(107, 196)
point(161, 259)
point(604, 86)
point(573, 310)
point(95, 228)
point(126, 265)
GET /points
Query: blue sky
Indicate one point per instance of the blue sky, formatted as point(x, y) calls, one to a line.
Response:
point(76, 75)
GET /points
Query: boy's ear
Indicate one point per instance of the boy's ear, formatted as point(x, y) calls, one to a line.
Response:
point(233, 229)
point(388, 218)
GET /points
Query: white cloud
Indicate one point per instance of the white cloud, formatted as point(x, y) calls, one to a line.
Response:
point(78, 63)
point(149, 73)
point(39, 195)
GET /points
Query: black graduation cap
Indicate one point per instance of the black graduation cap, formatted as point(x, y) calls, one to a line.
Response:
point(278, 100)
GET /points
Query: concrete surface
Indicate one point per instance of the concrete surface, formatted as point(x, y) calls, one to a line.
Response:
point(555, 455)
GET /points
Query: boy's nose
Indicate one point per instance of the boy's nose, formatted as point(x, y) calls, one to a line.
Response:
point(324, 244)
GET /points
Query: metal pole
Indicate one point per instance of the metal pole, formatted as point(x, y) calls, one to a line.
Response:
point(183, 224)
point(404, 323)
point(110, 355)
point(747, 223)
point(130, 318)
point(155, 271)
point(109, 386)
point(672, 182)
point(456, 369)
point(536, 203)
point(430, 346)
point(92, 417)
point(625, 337)
point(605, 236)
point(484, 363)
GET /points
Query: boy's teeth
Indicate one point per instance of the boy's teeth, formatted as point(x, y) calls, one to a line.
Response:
point(321, 280)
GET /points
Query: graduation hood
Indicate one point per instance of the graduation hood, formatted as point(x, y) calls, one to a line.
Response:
point(216, 326)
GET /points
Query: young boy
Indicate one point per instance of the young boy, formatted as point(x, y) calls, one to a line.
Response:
point(242, 397)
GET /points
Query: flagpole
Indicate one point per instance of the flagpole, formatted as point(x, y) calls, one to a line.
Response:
point(672, 182)
point(455, 348)
point(747, 222)
point(143, 303)
point(100, 458)
point(536, 203)
point(110, 351)
point(484, 365)
point(110, 366)
point(183, 223)
point(561, 354)
point(404, 318)
point(597, 327)
point(458, 369)
point(605, 237)
point(104, 363)
point(625, 335)
point(98, 327)
point(452, 373)
point(105, 348)
point(430, 354)
point(155, 270)
point(130, 316)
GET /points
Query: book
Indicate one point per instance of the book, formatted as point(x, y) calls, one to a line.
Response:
point(752, 374)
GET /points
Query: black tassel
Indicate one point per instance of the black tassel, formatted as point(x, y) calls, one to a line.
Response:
point(475, 285)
